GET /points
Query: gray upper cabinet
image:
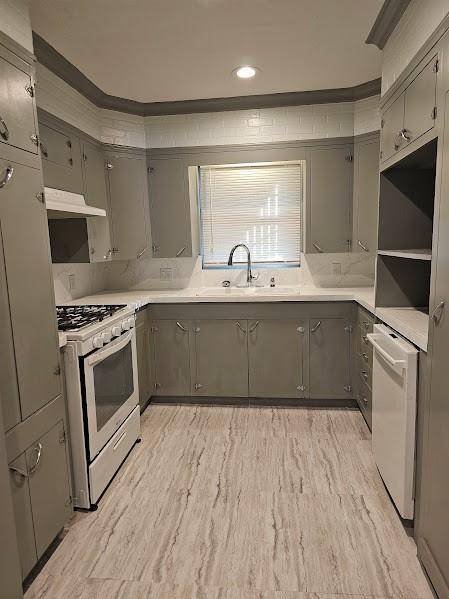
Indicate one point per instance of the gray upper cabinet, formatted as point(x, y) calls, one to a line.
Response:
point(171, 357)
point(61, 159)
point(412, 114)
point(420, 102)
point(26, 253)
point(366, 195)
point(169, 208)
point(128, 202)
point(220, 358)
point(95, 194)
point(276, 358)
point(49, 486)
point(391, 124)
point(20, 491)
point(17, 108)
point(329, 221)
point(329, 359)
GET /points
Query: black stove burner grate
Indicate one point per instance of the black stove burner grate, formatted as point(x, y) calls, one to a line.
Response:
point(73, 318)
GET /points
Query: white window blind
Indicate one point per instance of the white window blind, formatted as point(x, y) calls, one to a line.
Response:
point(259, 205)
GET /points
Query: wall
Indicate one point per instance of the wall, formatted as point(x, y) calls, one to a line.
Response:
point(15, 22)
point(418, 22)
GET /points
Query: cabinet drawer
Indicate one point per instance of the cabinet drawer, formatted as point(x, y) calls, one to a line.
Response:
point(364, 399)
point(17, 110)
point(112, 455)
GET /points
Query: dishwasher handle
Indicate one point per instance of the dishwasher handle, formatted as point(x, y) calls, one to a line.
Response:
point(374, 338)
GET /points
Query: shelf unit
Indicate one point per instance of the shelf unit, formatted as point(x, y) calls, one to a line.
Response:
point(406, 209)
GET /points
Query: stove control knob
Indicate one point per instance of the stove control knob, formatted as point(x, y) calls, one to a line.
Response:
point(97, 342)
point(106, 336)
point(131, 323)
point(116, 331)
point(125, 325)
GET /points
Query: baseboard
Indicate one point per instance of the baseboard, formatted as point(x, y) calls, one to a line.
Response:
point(253, 402)
point(431, 569)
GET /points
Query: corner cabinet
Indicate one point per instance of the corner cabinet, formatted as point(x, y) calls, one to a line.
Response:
point(128, 203)
point(330, 209)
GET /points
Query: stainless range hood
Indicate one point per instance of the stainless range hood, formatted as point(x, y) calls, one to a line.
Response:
point(65, 204)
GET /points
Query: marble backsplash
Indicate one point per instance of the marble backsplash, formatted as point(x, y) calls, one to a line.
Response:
point(322, 270)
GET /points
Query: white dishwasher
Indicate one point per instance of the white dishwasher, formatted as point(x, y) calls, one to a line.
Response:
point(394, 414)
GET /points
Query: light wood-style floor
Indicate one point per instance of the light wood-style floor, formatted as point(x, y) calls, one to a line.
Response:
point(240, 503)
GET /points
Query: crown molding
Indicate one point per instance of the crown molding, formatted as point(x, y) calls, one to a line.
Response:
point(387, 19)
point(60, 66)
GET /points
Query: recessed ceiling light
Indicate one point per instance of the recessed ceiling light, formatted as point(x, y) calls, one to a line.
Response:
point(245, 72)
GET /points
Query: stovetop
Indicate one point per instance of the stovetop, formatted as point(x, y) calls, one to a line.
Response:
point(74, 318)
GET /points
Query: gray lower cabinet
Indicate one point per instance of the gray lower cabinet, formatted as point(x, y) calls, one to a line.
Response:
point(95, 193)
point(329, 221)
point(144, 366)
point(277, 351)
point(330, 359)
point(219, 358)
point(26, 254)
point(17, 107)
point(128, 202)
point(61, 159)
point(169, 209)
point(41, 494)
point(171, 357)
point(366, 195)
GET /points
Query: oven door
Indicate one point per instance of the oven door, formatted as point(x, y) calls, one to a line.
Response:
point(112, 390)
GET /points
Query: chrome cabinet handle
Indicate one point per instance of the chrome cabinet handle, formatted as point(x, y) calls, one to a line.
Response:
point(180, 326)
point(38, 450)
point(9, 171)
point(141, 253)
point(22, 473)
point(438, 312)
point(365, 357)
point(108, 254)
point(254, 327)
point(317, 247)
point(4, 131)
point(405, 134)
point(180, 251)
point(109, 166)
point(315, 327)
point(364, 374)
point(155, 248)
point(44, 150)
point(198, 386)
point(363, 246)
point(240, 327)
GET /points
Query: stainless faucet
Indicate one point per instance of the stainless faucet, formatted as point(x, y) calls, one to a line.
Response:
point(249, 275)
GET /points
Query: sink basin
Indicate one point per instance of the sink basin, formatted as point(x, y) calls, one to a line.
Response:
point(247, 291)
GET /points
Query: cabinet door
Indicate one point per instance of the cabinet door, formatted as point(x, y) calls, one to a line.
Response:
point(390, 126)
point(49, 486)
point(276, 358)
point(17, 116)
point(26, 249)
point(95, 193)
point(434, 488)
point(366, 195)
point(330, 200)
point(23, 516)
point(61, 160)
point(420, 102)
point(220, 358)
point(171, 357)
point(9, 390)
point(329, 359)
point(143, 356)
point(169, 209)
point(128, 201)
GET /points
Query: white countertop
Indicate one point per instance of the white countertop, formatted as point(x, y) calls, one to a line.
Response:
point(409, 322)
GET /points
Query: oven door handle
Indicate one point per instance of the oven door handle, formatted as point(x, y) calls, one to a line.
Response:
point(111, 348)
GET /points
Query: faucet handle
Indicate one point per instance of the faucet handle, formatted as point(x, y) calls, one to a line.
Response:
point(255, 277)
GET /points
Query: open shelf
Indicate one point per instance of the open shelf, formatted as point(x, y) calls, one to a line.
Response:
point(424, 254)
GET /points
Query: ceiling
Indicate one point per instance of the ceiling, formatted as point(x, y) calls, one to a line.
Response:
point(166, 50)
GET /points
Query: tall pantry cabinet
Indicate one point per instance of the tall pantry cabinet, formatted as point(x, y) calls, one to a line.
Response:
point(30, 374)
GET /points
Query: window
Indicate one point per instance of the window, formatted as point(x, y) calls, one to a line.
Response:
point(257, 204)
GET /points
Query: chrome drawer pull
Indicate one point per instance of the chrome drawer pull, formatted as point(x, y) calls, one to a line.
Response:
point(318, 248)
point(19, 471)
point(438, 312)
point(180, 326)
point(315, 327)
point(141, 253)
point(4, 131)
point(8, 176)
point(38, 449)
point(254, 327)
point(178, 253)
point(240, 327)
point(363, 246)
